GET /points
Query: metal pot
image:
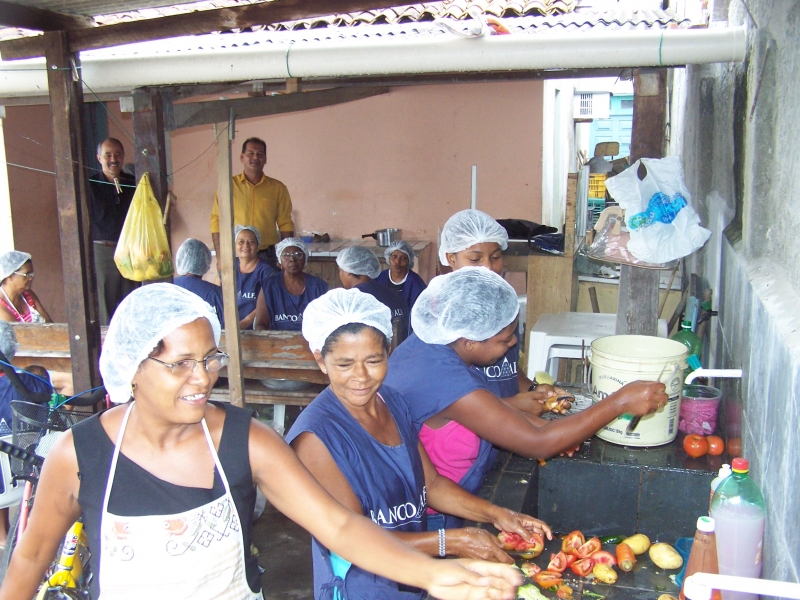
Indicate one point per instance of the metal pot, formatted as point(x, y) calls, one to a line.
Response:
point(384, 237)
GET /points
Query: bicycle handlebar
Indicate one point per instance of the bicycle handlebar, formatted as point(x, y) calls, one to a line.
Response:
point(21, 454)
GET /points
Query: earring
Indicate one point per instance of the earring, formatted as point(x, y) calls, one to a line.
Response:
point(133, 389)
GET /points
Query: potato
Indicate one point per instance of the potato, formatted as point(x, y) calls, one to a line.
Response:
point(665, 556)
point(604, 573)
point(639, 543)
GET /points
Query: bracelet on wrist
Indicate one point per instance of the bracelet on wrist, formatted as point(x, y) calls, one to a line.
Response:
point(442, 548)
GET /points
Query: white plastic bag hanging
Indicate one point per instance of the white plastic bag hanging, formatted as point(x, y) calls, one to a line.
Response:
point(658, 211)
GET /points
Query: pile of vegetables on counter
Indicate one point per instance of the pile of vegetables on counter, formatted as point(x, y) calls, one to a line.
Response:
point(585, 559)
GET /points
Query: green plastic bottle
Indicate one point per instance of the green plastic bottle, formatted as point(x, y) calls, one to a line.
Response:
point(689, 338)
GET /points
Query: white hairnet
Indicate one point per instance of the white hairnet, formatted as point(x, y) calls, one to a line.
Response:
point(288, 242)
point(403, 247)
point(473, 303)
point(193, 257)
point(144, 318)
point(240, 228)
point(11, 261)
point(467, 228)
point(8, 340)
point(359, 260)
point(339, 307)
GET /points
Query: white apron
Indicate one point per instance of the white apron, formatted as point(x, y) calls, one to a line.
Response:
point(197, 554)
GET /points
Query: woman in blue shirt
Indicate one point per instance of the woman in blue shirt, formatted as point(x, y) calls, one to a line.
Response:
point(250, 271)
point(285, 296)
point(192, 262)
point(399, 276)
point(357, 438)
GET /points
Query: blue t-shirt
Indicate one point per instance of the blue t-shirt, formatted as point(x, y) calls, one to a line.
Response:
point(388, 481)
point(208, 291)
point(248, 285)
point(285, 309)
point(410, 289)
point(502, 375)
point(391, 299)
point(8, 393)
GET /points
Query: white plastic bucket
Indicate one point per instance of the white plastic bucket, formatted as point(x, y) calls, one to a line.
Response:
point(620, 359)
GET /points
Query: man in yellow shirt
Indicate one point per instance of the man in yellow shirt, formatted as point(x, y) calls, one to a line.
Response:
point(258, 201)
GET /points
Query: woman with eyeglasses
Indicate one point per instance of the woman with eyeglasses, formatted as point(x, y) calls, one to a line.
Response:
point(18, 302)
point(250, 272)
point(166, 481)
point(285, 296)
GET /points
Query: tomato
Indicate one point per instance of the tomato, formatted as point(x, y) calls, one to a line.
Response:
point(548, 579)
point(558, 562)
point(572, 542)
point(590, 547)
point(605, 558)
point(695, 445)
point(530, 569)
point(513, 542)
point(735, 446)
point(582, 567)
point(571, 558)
point(716, 445)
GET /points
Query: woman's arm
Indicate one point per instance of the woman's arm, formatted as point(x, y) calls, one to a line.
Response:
point(489, 418)
point(262, 312)
point(40, 308)
point(290, 487)
point(56, 510)
point(247, 322)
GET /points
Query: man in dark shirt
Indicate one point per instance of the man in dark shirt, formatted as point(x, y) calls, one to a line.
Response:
point(112, 191)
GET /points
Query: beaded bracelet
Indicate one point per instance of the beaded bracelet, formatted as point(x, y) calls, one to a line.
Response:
point(442, 552)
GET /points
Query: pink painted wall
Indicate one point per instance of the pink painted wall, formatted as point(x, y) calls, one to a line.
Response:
point(402, 159)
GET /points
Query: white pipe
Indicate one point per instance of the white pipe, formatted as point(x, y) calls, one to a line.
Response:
point(711, 373)
point(121, 69)
point(700, 585)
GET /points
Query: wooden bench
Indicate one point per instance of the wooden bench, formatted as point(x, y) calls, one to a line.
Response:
point(265, 354)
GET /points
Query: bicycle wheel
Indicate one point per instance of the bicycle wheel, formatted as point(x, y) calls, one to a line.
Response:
point(11, 542)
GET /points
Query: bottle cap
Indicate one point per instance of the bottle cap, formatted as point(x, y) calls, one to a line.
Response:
point(724, 470)
point(705, 524)
point(740, 465)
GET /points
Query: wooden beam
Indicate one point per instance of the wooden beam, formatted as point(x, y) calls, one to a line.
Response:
point(205, 113)
point(150, 150)
point(72, 194)
point(194, 23)
point(223, 133)
point(39, 19)
point(637, 312)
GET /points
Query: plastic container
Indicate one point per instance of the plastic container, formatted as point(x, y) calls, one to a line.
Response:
point(699, 408)
point(620, 359)
point(703, 557)
point(689, 338)
point(739, 512)
point(724, 472)
point(597, 185)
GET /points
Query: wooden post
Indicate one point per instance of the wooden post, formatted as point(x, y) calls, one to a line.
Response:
point(226, 244)
point(72, 195)
point(150, 151)
point(638, 288)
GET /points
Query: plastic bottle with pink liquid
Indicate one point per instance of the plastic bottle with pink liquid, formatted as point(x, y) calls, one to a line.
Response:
point(739, 513)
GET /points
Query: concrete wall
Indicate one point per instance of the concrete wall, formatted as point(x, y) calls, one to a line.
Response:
point(738, 136)
point(402, 159)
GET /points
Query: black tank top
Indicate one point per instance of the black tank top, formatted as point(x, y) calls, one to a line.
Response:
point(136, 492)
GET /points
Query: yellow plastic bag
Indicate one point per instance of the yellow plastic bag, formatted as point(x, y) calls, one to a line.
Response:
point(142, 252)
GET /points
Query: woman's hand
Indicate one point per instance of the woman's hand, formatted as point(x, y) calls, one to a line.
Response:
point(474, 580)
point(472, 542)
point(641, 397)
point(514, 522)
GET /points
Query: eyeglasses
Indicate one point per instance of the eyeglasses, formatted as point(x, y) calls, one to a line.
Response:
point(294, 255)
point(28, 275)
point(212, 364)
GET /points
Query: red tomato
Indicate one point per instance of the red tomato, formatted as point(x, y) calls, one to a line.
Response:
point(571, 558)
point(509, 540)
point(548, 579)
point(513, 542)
point(590, 547)
point(735, 446)
point(582, 567)
point(558, 562)
point(572, 542)
point(530, 569)
point(716, 445)
point(604, 557)
point(695, 445)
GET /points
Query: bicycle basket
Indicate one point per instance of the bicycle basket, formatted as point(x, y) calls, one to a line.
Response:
point(36, 427)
